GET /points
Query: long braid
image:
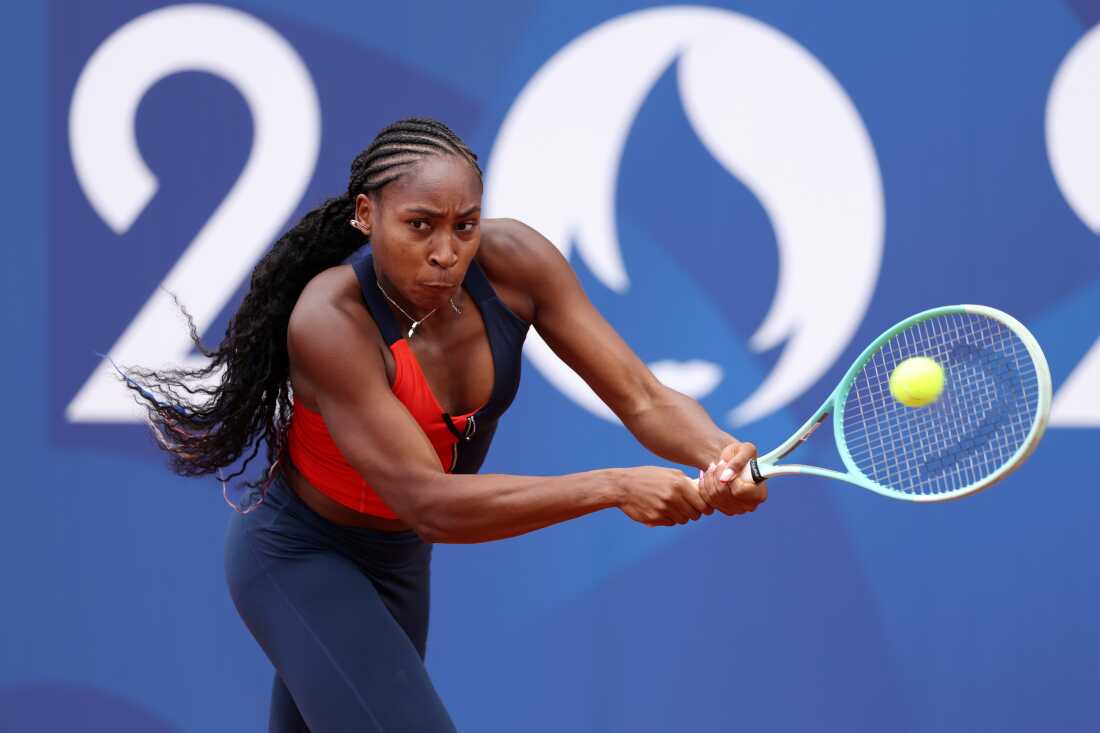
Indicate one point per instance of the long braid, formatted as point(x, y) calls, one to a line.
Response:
point(251, 403)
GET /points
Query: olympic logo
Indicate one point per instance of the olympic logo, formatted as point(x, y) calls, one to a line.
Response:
point(767, 111)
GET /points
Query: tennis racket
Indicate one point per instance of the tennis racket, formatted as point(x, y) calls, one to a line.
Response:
point(988, 419)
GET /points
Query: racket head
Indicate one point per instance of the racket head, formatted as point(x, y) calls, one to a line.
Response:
point(990, 417)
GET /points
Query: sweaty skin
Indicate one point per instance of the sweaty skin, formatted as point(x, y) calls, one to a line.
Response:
point(425, 228)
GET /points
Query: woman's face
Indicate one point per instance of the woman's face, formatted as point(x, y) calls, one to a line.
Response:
point(425, 229)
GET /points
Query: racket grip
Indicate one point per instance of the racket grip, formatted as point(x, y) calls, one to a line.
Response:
point(751, 472)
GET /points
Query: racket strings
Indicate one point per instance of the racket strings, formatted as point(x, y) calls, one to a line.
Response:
point(981, 420)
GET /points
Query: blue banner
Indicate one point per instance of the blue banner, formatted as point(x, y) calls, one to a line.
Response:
point(749, 191)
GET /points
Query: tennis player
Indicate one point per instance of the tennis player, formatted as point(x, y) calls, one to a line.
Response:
point(375, 376)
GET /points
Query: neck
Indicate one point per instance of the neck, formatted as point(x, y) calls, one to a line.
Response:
point(394, 296)
point(410, 315)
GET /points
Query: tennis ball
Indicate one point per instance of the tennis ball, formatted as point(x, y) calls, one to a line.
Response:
point(917, 381)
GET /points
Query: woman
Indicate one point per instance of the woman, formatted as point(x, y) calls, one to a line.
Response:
point(375, 376)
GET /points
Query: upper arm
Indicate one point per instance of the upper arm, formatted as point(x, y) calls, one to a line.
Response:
point(335, 345)
point(571, 325)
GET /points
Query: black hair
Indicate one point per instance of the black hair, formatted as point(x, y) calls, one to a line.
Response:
point(211, 427)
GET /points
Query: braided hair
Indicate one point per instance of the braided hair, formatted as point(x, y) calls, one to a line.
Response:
point(213, 426)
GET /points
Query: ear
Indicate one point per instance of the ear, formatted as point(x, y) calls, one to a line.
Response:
point(364, 209)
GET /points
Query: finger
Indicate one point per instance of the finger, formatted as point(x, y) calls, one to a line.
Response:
point(680, 509)
point(715, 490)
point(744, 491)
point(687, 506)
point(723, 499)
point(762, 492)
point(728, 451)
point(740, 493)
point(674, 510)
point(750, 494)
point(749, 490)
point(732, 508)
point(700, 486)
point(694, 499)
point(700, 489)
point(744, 453)
point(706, 486)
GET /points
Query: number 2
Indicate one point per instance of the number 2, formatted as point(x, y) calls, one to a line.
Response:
point(286, 115)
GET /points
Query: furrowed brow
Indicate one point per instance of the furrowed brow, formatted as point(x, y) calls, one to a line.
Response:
point(426, 210)
point(429, 211)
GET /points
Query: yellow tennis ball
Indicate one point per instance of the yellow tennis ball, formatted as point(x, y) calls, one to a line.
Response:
point(917, 381)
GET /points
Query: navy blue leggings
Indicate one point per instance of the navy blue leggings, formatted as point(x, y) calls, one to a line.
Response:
point(341, 612)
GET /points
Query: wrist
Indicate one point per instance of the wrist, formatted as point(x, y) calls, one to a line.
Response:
point(612, 487)
point(713, 449)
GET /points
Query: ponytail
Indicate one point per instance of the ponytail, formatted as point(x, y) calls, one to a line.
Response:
point(251, 405)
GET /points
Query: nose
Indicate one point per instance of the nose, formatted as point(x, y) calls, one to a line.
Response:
point(443, 253)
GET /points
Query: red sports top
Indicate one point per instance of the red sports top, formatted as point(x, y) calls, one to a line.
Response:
point(316, 456)
point(460, 441)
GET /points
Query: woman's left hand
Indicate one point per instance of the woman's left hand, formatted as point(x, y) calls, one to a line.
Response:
point(722, 486)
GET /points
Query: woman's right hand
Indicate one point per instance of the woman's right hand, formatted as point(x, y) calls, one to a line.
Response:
point(658, 496)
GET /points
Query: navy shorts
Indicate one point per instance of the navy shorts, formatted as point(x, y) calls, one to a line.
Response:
point(341, 612)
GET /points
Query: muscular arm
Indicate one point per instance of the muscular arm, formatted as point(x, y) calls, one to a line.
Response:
point(668, 423)
point(335, 345)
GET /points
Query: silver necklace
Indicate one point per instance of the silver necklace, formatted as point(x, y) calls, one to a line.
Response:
point(415, 323)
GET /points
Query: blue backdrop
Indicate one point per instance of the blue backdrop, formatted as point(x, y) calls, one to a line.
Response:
point(750, 191)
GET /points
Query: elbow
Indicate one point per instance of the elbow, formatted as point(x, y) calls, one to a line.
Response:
point(429, 518)
point(435, 530)
point(429, 531)
point(438, 512)
point(416, 499)
point(442, 524)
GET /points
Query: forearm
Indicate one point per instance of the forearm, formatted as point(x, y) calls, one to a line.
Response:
point(677, 428)
point(485, 507)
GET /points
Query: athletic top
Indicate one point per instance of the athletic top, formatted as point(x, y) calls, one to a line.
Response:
point(460, 441)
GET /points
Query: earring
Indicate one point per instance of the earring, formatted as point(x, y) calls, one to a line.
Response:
point(355, 223)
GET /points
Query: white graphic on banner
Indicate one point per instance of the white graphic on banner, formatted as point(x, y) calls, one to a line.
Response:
point(1073, 145)
point(768, 112)
point(286, 118)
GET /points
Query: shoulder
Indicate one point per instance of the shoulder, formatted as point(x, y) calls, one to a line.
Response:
point(520, 262)
point(332, 293)
point(511, 242)
point(330, 318)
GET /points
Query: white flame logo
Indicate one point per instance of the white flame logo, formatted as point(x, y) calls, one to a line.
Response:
point(1073, 118)
point(768, 112)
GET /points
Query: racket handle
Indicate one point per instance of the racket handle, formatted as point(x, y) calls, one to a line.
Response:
point(751, 472)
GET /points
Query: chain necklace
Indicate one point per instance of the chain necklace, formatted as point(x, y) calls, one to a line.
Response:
point(415, 323)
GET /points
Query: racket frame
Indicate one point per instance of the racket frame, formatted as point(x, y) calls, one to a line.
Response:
point(766, 466)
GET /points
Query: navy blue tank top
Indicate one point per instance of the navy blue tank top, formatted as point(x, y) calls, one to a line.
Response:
point(506, 332)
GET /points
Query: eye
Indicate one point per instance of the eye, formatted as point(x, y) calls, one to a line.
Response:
point(419, 224)
point(467, 226)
